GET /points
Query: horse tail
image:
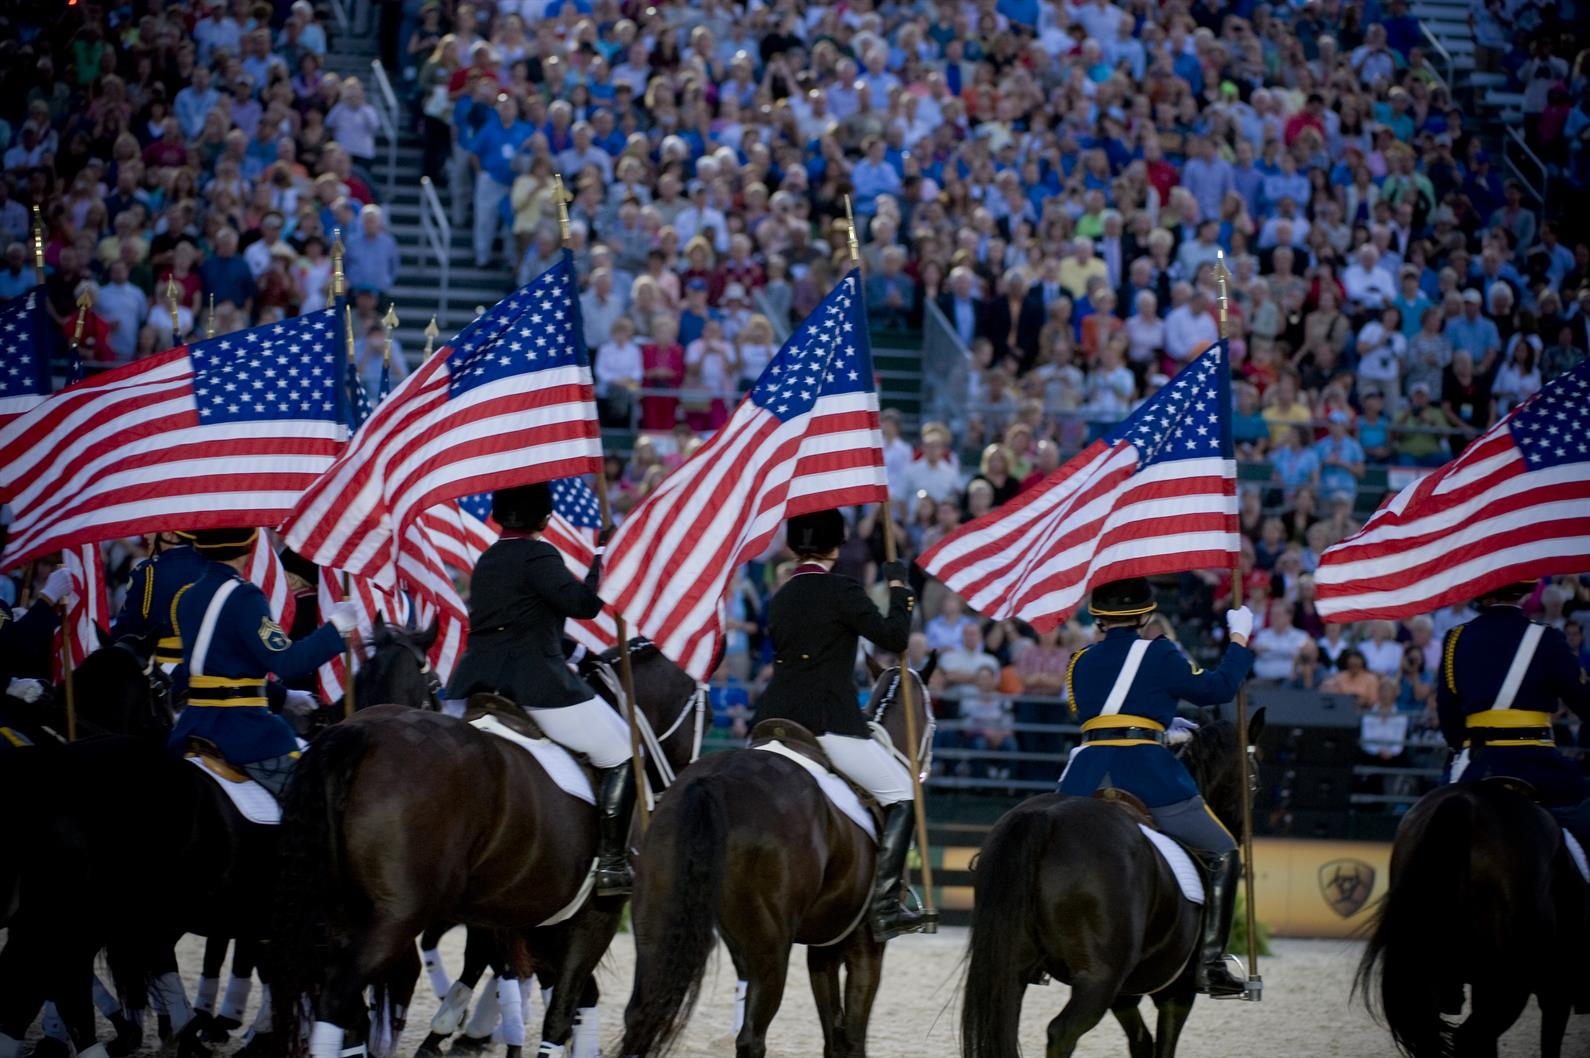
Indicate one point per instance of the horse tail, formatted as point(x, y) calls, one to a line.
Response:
point(313, 904)
point(1005, 906)
point(1416, 931)
point(679, 943)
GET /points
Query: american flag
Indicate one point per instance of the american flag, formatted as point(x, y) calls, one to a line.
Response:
point(576, 519)
point(1157, 494)
point(86, 607)
point(1514, 505)
point(225, 432)
point(26, 338)
point(508, 402)
point(805, 438)
point(266, 570)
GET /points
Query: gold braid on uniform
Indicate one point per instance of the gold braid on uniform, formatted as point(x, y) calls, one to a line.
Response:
point(1451, 653)
point(174, 600)
point(1071, 667)
point(149, 590)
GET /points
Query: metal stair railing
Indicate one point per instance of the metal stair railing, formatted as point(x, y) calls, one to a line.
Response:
point(386, 109)
point(438, 231)
point(1516, 152)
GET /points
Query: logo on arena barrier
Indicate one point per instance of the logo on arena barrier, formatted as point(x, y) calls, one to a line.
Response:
point(1345, 885)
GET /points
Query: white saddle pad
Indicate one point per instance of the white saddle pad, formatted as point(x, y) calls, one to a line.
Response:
point(1576, 850)
point(1181, 864)
point(838, 791)
point(559, 764)
point(252, 800)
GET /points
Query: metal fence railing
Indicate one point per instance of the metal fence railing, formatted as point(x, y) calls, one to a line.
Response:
point(386, 108)
point(1525, 163)
point(438, 232)
point(945, 366)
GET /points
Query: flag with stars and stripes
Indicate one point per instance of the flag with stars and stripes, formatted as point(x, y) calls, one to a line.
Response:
point(805, 438)
point(27, 338)
point(87, 613)
point(576, 519)
point(507, 402)
point(226, 432)
point(1515, 505)
point(1157, 494)
point(266, 570)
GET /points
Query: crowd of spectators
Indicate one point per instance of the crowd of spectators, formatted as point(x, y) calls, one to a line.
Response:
point(1048, 183)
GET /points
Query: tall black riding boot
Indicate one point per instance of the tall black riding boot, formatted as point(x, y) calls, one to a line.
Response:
point(615, 803)
point(887, 916)
point(1222, 871)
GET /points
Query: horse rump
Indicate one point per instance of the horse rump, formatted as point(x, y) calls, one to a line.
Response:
point(314, 910)
point(1000, 950)
point(684, 894)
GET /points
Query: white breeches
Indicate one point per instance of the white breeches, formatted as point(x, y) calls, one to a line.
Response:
point(593, 728)
point(867, 764)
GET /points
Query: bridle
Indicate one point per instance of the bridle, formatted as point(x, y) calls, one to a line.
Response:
point(693, 709)
point(433, 681)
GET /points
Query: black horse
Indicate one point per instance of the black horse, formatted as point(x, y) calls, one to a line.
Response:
point(1068, 886)
point(396, 821)
point(129, 847)
point(1483, 893)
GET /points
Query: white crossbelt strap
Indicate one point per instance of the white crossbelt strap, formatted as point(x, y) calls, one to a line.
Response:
point(1521, 660)
point(212, 616)
point(1123, 681)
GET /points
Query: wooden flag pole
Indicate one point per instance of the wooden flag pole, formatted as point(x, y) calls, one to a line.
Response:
point(339, 289)
point(173, 299)
point(84, 302)
point(907, 686)
point(209, 320)
point(626, 674)
point(38, 245)
point(1255, 982)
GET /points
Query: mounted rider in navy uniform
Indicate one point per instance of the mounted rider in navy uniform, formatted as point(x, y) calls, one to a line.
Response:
point(26, 646)
point(230, 644)
point(1502, 676)
point(1125, 690)
point(814, 621)
point(519, 597)
point(149, 610)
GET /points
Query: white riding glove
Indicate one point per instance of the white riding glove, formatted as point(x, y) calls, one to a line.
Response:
point(1239, 622)
point(345, 615)
point(56, 587)
point(300, 703)
point(28, 691)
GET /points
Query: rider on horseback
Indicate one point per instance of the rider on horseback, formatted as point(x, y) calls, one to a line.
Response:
point(815, 620)
point(229, 645)
point(1496, 696)
point(1125, 689)
point(149, 610)
point(519, 597)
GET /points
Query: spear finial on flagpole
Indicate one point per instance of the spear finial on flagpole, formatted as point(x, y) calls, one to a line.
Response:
point(563, 198)
point(1221, 279)
point(850, 236)
point(85, 301)
point(173, 298)
point(431, 333)
point(209, 320)
point(390, 322)
point(339, 281)
point(38, 244)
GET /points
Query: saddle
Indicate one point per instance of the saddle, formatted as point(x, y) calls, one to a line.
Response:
point(210, 755)
point(1512, 785)
point(797, 739)
point(485, 703)
point(1129, 803)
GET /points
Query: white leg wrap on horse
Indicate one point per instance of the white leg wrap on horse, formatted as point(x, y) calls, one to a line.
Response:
point(587, 1030)
point(380, 1039)
point(511, 1003)
point(53, 1026)
point(527, 994)
point(262, 1020)
point(551, 1050)
point(739, 1006)
point(438, 973)
point(96, 1051)
point(483, 1019)
point(236, 997)
point(104, 1002)
point(325, 1040)
point(168, 987)
point(451, 1012)
point(204, 998)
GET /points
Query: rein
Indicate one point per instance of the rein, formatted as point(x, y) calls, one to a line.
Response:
point(924, 749)
point(695, 705)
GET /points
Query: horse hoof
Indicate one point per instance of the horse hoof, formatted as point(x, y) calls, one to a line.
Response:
point(470, 1045)
point(188, 1045)
point(129, 1036)
point(513, 1052)
point(432, 1047)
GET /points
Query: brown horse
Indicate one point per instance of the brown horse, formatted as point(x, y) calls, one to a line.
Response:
point(398, 819)
point(748, 846)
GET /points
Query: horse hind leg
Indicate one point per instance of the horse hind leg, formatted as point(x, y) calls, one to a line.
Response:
point(1174, 1004)
point(766, 969)
point(1091, 998)
point(1495, 1007)
point(341, 1010)
point(863, 974)
point(823, 965)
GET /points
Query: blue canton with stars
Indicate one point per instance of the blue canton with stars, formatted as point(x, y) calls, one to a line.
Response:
point(828, 354)
point(286, 370)
point(1553, 427)
point(535, 328)
point(571, 497)
point(1189, 418)
point(358, 397)
point(25, 346)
